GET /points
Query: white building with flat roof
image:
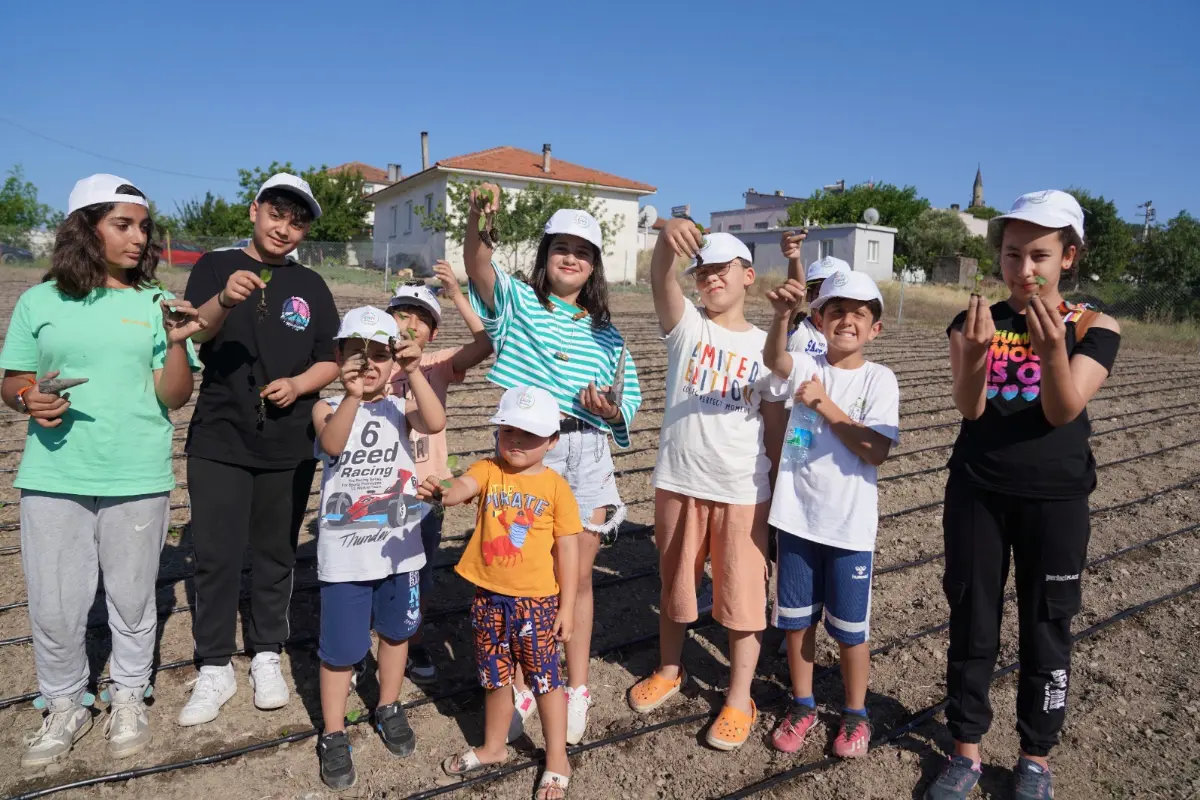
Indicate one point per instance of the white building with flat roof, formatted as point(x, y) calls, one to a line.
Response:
point(866, 248)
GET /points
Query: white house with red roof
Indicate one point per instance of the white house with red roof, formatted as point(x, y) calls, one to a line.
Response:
point(402, 242)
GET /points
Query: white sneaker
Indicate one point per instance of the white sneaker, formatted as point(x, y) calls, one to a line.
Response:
point(524, 704)
point(213, 688)
point(65, 723)
point(128, 727)
point(578, 702)
point(266, 676)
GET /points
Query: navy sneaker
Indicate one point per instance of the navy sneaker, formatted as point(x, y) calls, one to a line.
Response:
point(337, 764)
point(394, 729)
point(1033, 781)
point(955, 781)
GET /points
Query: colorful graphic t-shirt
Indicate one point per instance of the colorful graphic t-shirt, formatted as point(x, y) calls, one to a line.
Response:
point(807, 339)
point(370, 515)
point(832, 498)
point(519, 518)
point(430, 451)
point(115, 439)
point(711, 446)
point(1012, 448)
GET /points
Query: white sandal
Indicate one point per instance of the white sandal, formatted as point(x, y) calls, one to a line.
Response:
point(551, 780)
point(469, 763)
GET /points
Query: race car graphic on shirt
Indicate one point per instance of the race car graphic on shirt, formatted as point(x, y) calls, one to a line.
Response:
point(387, 509)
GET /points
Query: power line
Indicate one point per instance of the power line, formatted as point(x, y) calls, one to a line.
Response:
point(114, 159)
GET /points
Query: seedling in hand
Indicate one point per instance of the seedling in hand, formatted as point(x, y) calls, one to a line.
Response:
point(1040, 281)
point(978, 290)
point(171, 317)
point(487, 225)
point(617, 391)
point(265, 275)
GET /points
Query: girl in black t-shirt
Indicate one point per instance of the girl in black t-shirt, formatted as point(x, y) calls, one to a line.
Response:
point(1020, 475)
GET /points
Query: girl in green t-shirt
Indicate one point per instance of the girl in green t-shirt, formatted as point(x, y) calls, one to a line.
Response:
point(96, 474)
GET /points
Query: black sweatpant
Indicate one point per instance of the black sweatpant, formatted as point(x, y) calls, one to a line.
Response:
point(1048, 540)
point(233, 506)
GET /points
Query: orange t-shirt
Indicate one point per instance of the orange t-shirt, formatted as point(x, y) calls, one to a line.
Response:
point(519, 518)
point(430, 452)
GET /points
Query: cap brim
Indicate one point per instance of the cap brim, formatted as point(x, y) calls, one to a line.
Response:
point(1034, 217)
point(820, 301)
point(538, 427)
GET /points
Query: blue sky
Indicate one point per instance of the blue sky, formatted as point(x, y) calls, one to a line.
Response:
point(702, 100)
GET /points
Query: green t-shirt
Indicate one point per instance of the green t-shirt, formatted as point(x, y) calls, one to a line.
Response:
point(115, 440)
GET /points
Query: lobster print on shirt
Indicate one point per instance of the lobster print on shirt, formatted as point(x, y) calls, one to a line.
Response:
point(515, 514)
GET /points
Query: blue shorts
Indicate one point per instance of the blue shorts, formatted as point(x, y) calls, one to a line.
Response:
point(349, 611)
point(431, 540)
point(811, 576)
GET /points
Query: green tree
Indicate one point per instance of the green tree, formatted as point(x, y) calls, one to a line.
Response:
point(898, 207)
point(931, 235)
point(983, 212)
point(976, 247)
point(343, 209)
point(1110, 247)
point(20, 211)
point(1168, 269)
point(212, 216)
point(521, 220)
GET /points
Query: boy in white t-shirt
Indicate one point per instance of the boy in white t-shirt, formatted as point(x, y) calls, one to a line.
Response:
point(713, 476)
point(369, 551)
point(845, 418)
point(805, 334)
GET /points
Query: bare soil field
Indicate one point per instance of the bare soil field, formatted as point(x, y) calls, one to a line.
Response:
point(1135, 707)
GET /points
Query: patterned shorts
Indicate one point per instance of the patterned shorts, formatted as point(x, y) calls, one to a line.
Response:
point(516, 630)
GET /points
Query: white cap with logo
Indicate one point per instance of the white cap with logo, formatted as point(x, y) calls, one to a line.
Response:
point(101, 188)
point(529, 408)
point(295, 185)
point(417, 296)
point(850, 286)
point(576, 223)
point(721, 248)
point(370, 323)
point(1049, 209)
point(822, 268)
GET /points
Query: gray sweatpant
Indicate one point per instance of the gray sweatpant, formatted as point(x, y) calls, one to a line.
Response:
point(66, 540)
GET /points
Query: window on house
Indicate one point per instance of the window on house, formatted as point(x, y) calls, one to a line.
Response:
point(395, 227)
point(760, 226)
point(873, 251)
point(733, 228)
point(428, 206)
point(408, 205)
point(826, 247)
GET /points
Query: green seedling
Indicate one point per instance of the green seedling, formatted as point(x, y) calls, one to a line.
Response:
point(265, 275)
point(452, 465)
point(978, 290)
point(354, 716)
point(487, 224)
point(1040, 281)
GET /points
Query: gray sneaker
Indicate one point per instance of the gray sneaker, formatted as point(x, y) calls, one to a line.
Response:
point(955, 781)
point(128, 727)
point(65, 723)
point(1033, 781)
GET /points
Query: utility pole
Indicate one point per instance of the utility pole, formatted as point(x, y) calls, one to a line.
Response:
point(1150, 215)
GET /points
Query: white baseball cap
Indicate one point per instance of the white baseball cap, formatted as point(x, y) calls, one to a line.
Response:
point(417, 296)
point(577, 223)
point(822, 268)
point(721, 248)
point(370, 323)
point(101, 188)
point(295, 185)
point(848, 285)
point(529, 408)
point(1049, 208)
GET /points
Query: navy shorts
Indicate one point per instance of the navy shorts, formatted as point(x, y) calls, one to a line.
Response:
point(812, 577)
point(349, 611)
point(431, 540)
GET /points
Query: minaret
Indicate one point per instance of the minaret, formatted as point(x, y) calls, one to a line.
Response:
point(977, 191)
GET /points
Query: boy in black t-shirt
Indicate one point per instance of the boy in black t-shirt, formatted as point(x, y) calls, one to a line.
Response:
point(267, 353)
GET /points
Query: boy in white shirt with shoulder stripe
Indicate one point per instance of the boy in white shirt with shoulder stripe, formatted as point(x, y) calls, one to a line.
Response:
point(845, 418)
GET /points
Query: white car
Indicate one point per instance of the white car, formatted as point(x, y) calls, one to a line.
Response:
point(242, 244)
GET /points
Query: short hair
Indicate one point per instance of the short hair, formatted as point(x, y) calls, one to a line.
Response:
point(289, 204)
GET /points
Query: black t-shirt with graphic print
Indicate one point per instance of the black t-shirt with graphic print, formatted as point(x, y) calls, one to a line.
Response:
point(271, 335)
point(1012, 448)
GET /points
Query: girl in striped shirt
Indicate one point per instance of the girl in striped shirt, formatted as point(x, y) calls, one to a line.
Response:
point(555, 332)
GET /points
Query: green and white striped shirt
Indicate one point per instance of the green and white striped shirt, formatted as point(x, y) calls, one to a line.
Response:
point(530, 342)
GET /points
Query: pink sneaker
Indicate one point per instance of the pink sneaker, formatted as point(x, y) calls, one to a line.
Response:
point(854, 736)
point(789, 733)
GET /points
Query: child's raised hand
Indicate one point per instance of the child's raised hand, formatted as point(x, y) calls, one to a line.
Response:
point(979, 327)
point(790, 244)
point(812, 393)
point(445, 274)
point(564, 626)
point(352, 374)
point(683, 236)
point(786, 297)
point(407, 354)
point(481, 202)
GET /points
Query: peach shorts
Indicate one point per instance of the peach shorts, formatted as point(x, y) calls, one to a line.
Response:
point(687, 531)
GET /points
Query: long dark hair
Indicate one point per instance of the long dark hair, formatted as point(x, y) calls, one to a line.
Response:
point(593, 297)
point(77, 265)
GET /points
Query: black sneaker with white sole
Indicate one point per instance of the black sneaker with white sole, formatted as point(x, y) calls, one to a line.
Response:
point(421, 668)
point(337, 763)
point(394, 729)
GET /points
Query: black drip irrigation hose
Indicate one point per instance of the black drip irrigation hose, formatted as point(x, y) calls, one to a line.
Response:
point(921, 717)
point(613, 739)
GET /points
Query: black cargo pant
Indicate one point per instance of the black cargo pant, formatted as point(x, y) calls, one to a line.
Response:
point(233, 506)
point(1048, 541)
